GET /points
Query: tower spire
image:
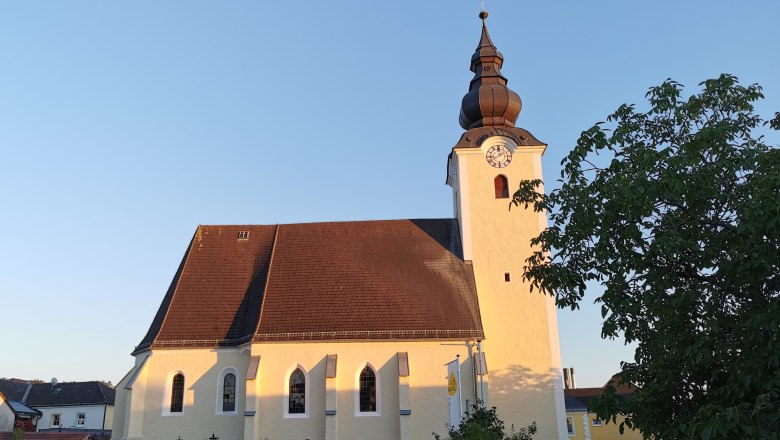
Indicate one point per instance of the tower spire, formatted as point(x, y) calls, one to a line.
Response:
point(489, 102)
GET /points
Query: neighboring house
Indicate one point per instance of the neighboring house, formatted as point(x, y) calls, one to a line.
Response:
point(86, 405)
point(80, 405)
point(342, 330)
point(13, 413)
point(584, 425)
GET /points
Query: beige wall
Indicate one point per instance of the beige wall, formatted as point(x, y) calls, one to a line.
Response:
point(521, 333)
point(610, 431)
point(268, 393)
point(578, 419)
point(6, 417)
point(109, 419)
point(607, 431)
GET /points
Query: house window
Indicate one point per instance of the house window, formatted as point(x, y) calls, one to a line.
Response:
point(243, 235)
point(367, 390)
point(80, 419)
point(177, 393)
point(507, 277)
point(229, 393)
point(501, 186)
point(297, 397)
point(596, 421)
point(570, 425)
point(55, 420)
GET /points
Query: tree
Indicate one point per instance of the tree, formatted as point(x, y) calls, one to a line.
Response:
point(483, 424)
point(676, 213)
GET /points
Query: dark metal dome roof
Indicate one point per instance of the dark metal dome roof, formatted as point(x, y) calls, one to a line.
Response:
point(489, 102)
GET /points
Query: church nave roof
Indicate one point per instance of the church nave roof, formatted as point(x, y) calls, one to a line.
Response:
point(391, 279)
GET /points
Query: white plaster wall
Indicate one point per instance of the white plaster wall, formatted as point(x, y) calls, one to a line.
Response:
point(427, 381)
point(521, 344)
point(118, 421)
point(109, 422)
point(198, 419)
point(6, 417)
point(94, 416)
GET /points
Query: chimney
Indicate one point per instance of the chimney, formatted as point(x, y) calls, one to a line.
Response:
point(571, 375)
point(566, 379)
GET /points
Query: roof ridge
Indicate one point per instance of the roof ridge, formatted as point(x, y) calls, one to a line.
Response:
point(26, 392)
point(100, 387)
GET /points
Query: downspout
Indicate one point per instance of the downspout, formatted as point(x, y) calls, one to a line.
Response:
point(474, 374)
point(103, 426)
point(36, 422)
point(481, 373)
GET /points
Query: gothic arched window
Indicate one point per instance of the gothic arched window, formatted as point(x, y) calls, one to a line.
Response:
point(229, 393)
point(177, 393)
point(502, 187)
point(297, 399)
point(367, 390)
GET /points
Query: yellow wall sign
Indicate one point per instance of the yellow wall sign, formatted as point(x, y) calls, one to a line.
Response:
point(452, 385)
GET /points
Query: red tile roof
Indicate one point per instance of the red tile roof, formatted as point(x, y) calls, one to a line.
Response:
point(396, 279)
point(585, 395)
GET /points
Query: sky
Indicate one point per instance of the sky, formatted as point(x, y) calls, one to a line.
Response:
point(124, 125)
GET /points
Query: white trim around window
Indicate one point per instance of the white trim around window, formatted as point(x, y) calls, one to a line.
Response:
point(218, 409)
point(570, 426)
point(378, 393)
point(306, 394)
point(166, 400)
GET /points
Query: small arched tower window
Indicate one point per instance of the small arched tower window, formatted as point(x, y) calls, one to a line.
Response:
point(297, 401)
point(502, 187)
point(177, 393)
point(229, 393)
point(367, 390)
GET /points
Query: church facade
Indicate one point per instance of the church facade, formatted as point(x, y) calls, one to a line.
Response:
point(343, 330)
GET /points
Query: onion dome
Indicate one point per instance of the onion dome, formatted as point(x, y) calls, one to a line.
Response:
point(489, 102)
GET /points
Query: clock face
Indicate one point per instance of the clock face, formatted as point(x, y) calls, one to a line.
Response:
point(498, 156)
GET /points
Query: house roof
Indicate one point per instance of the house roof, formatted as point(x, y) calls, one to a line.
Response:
point(70, 393)
point(392, 279)
point(14, 389)
point(620, 387)
point(20, 408)
point(584, 395)
point(572, 404)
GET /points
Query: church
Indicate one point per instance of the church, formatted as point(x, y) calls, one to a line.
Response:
point(344, 330)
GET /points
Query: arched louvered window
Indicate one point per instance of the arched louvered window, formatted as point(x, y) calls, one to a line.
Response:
point(229, 393)
point(297, 399)
point(367, 390)
point(502, 187)
point(177, 393)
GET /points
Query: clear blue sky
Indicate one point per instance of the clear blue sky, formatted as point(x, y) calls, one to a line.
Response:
point(124, 125)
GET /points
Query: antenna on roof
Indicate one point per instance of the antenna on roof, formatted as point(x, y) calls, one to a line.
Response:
point(53, 382)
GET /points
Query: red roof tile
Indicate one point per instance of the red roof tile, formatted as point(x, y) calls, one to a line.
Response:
point(319, 281)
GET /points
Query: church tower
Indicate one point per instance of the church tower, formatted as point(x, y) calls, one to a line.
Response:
point(484, 168)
